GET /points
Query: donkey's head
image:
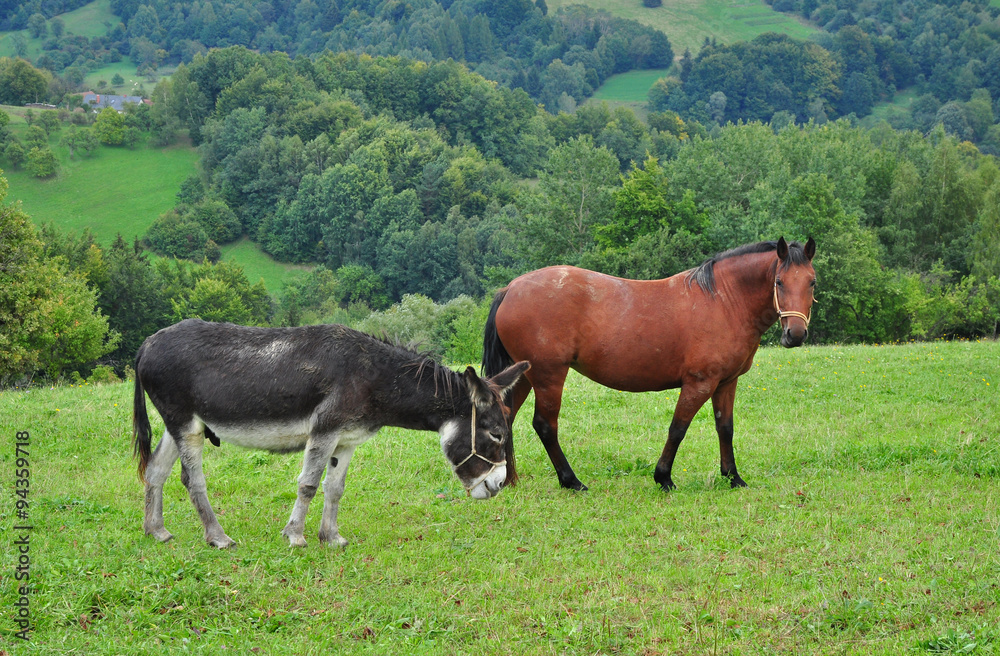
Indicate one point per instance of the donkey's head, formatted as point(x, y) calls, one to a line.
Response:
point(475, 440)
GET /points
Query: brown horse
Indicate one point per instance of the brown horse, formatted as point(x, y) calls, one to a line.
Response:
point(697, 330)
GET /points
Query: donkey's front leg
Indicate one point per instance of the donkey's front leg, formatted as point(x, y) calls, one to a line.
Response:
point(318, 451)
point(193, 478)
point(157, 471)
point(333, 490)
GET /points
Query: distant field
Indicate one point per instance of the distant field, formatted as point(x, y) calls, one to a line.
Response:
point(90, 20)
point(688, 22)
point(259, 265)
point(629, 87)
point(115, 190)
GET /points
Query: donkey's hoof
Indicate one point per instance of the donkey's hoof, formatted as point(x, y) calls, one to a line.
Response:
point(335, 542)
point(161, 534)
point(221, 542)
point(294, 539)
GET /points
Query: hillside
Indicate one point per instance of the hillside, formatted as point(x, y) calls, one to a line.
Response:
point(688, 22)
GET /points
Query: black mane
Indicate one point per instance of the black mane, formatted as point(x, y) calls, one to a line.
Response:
point(704, 274)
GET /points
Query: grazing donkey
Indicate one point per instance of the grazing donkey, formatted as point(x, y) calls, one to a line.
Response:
point(322, 389)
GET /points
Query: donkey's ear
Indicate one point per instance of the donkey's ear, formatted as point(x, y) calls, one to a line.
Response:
point(810, 249)
point(479, 391)
point(782, 249)
point(509, 376)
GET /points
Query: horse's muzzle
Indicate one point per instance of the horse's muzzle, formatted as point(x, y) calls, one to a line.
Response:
point(793, 336)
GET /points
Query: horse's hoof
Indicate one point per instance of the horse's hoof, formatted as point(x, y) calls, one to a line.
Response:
point(575, 485)
point(737, 483)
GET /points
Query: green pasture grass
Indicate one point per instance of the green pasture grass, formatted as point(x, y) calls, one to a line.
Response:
point(630, 87)
point(870, 526)
point(687, 22)
point(900, 104)
point(90, 20)
point(114, 190)
point(258, 265)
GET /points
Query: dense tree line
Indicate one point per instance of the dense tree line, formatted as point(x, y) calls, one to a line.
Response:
point(559, 59)
point(947, 52)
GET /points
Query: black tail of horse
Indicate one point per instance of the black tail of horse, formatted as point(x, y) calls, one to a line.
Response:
point(495, 360)
point(141, 431)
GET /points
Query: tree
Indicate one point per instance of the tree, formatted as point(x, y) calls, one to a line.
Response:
point(109, 127)
point(48, 318)
point(14, 153)
point(117, 80)
point(573, 195)
point(37, 26)
point(21, 83)
point(42, 162)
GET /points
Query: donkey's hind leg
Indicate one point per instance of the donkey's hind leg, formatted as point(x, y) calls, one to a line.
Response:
point(157, 471)
point(333, 490)
point(193, 477)
point(317, 454)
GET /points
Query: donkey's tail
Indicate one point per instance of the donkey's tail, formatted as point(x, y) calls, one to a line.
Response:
point(496, 359)
point(141, 432)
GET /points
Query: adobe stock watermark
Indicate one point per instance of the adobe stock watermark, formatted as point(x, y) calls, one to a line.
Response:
point(22, 535)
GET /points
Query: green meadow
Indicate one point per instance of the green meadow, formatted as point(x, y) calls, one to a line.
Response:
point(629, 87)
point(90, 20)
point(121, 190)
point(687, 22)
point(870, 526)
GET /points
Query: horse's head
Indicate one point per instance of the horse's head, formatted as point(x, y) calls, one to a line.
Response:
point(794, 285)
point(475, 442)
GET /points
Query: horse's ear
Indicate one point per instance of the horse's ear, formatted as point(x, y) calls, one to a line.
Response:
point(509, 376)
point(810, 249)
point(478, 389)
point(782, 249)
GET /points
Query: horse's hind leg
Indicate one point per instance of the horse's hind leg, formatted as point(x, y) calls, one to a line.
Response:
point(693, 396)
point(157, 471)
point(193, 477)
point(722, 403)
point(548, 401)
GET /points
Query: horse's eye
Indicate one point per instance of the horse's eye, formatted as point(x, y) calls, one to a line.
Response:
point(496, 437)
point(778, 282)
point(812, 283)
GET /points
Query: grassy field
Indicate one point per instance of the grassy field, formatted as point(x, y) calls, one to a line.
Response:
point(93, 19)
point(121, 190)
point(258, 265)
point(629, 87)
point(114, 190)
point(687, 22)
point(870, 526)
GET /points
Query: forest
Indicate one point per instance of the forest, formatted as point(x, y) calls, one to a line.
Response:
point(414, 187)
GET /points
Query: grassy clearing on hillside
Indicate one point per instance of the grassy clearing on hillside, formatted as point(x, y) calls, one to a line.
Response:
point(687, 22)
point(115, 190)
point(630, 87)
point(90, 20)
point(870, 526)
point(259, 265)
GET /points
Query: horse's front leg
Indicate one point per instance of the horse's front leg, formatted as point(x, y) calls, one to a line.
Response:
point(548, 401)
point(693, 396)
point(318, 450)
point(333, 490)
point(722, 404)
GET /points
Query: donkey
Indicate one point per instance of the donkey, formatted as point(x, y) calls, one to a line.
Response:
point(323, 389)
